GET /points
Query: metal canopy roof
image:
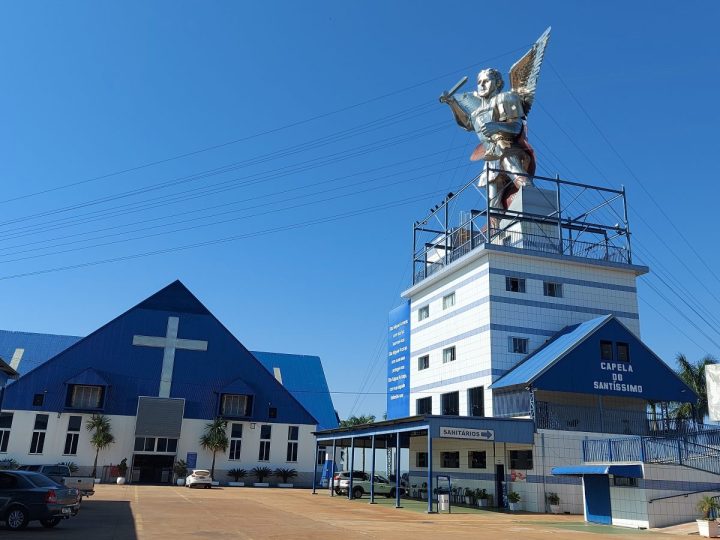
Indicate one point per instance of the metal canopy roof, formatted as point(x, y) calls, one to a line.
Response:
point(625, 471)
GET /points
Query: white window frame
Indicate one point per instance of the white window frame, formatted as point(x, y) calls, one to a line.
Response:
point(518, 345)
point(85, 396)
point(448, 300)
point(234, 405)
point(423, 313)
point(449, 354)
point(423, 362)
point(552, 287)
point(264, 448)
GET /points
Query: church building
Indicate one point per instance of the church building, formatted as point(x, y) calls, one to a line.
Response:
point(160, 372)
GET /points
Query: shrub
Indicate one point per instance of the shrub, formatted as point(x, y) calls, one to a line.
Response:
point(285, 474)
point(553, 498)
point(514, 497)
point(122, 467)
point(707, 507)
point(261, 473)
point(237, 474)
point(180, 468)
point(70, 465)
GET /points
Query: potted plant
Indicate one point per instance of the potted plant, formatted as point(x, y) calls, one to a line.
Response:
point(554, 501)
point(122, 471)
point(423, 491)
point(469, 496)
point(481, 497)
point(285, 475)
point(707, 526)
point(261, 473)
point(236, 475)
point(514, 501)
point(180, 469)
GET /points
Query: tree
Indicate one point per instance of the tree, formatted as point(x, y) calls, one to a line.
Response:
point(101, 437)
point(356, 421)
point(694, 376)
point(215, 439)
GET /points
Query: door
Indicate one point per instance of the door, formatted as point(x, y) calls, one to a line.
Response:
point(153, 469)
point(596, 488)
point(500, 485)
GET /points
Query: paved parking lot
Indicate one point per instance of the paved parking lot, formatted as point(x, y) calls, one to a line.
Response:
point(174, 513)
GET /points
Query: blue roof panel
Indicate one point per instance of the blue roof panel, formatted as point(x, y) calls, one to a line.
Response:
point(304, 378)
point(36, 348)
point(563, 342)
point(625, 471)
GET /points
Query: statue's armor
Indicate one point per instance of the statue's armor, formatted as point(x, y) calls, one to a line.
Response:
point(504, 107)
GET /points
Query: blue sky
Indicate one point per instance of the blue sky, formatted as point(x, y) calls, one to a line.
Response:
point(312, 139)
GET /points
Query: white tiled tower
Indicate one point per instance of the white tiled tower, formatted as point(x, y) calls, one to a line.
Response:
point(501, 301)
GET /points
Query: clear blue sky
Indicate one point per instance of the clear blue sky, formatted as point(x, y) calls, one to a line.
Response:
point(323, 111)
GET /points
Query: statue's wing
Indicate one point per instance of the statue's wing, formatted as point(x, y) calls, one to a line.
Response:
point(525, 72)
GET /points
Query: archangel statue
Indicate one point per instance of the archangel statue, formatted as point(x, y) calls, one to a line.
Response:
point(499, 119)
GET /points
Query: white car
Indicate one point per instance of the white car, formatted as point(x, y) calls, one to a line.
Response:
point(361, 485)
point(199, 478)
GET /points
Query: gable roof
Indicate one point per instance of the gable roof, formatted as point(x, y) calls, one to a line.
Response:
point(132, 370)
point(304, 378)
point(31, 349)
point(570, 362)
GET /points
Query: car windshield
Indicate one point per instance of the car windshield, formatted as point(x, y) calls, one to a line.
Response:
point(41, 480)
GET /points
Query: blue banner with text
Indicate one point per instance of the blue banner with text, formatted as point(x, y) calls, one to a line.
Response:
point(398, 362)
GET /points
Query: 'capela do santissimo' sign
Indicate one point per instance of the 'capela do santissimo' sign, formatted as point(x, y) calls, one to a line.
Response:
point(465, 433)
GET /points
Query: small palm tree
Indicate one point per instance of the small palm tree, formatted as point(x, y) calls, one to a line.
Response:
point(237, 474)
point(285, 474)
point(707, 506)
point(101, 438)
point(261, 473)
point(215, 439)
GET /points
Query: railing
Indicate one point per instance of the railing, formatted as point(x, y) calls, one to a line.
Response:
point(678, 450)
point(562, 225)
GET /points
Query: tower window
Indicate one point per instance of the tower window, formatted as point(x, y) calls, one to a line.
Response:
point(515, 284)
point(451, 403)
point(518, 345)
point(449, 300)
point(423, 405)
point(449, 355)
point(423, 362)
point(423, 313)
point(552, 289)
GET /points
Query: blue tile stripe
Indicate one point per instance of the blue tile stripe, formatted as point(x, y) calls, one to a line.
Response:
point(561, 307)
point(450, 313)
point(558, 279)
point(460, 378)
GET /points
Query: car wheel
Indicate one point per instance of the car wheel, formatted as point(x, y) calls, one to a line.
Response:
point(207, 486)
point(357, 492)
point(338, 491)
point(16, 518)
point(50, 523)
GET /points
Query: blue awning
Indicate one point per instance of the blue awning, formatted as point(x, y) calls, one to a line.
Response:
point(625, 471)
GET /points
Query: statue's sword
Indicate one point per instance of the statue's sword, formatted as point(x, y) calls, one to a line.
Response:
point(454, 89)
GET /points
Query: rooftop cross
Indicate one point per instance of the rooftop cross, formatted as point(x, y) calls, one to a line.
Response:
point(170, 343)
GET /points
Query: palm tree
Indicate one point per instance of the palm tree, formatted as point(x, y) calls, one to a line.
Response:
point(356, 421)
point(101, 438)
point(215, 439)
point(694, 376)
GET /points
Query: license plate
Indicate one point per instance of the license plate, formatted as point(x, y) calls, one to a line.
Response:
point(66, 510)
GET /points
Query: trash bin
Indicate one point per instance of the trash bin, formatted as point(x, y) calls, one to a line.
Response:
point(443, 502)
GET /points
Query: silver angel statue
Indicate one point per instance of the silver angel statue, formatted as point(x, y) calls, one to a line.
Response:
point(499, 119)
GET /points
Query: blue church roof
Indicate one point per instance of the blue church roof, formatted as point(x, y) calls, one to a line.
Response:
point(304, 378)
point(199, 376)
point(570, 362)
point(36, 349)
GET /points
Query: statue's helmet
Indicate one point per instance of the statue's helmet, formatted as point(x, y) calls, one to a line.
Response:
point(494, 74)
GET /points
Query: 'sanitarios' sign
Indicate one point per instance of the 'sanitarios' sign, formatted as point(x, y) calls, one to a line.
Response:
point(466, 433)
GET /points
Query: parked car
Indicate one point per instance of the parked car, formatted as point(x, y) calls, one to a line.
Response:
point(361, 484)
point(199, 478)
point(62, 475)
point(29, 496)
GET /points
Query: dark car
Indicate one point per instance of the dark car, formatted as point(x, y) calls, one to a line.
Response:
point(29, 496)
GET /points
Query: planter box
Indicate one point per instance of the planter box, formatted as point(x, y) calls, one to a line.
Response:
point(180, 482)
point(120, 480)
point(554, 508)
point(707, 528)
point(468, 501)
point(482, 503)
point(285, 485)
point(514, 507)
point(261, 484)
point(98, 480)
point(236, 484)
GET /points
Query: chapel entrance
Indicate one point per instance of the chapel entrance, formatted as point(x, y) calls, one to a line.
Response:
point(152, 469)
